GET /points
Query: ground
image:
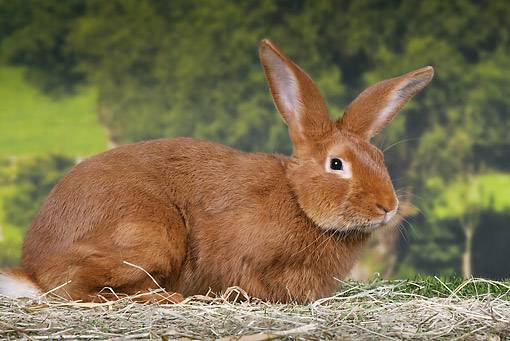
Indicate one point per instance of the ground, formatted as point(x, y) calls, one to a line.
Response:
point(425, 308)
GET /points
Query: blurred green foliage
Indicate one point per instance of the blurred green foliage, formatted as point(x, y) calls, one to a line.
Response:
point(174, 68)
point(487, 191)
point(10, 236)
point(33, 181)
point(32, 123)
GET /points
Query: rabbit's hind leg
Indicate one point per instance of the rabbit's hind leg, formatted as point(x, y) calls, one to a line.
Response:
point(135, 259)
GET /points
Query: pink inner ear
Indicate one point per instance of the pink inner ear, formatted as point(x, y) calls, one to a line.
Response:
point(392, 105)
point(377, 105)
point(284, 85)
point(396, 99)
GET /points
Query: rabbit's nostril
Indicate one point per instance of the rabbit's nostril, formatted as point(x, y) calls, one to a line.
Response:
point(383, 208)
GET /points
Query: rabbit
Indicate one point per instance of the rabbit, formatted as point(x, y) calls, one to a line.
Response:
point(192, 216)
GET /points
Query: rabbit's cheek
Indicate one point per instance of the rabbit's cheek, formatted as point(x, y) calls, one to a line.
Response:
point(321, 198)
point(324, 210)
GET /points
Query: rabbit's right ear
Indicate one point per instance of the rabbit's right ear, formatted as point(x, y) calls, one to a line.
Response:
point(295, 95)
point(375, 107)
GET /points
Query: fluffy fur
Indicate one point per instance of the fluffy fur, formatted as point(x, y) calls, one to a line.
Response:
point(16, 284)
point(198, 215)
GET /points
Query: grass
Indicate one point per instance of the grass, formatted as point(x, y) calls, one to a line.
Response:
point(32, 123)
point(443, 287)
point(425, 308)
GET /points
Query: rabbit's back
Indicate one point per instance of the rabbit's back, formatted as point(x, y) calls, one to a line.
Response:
point(146, 181)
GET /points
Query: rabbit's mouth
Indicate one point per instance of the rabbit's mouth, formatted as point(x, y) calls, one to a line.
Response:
point(372, 226)
point(367, 225)
point(378, 222)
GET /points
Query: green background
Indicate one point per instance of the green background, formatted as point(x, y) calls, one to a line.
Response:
point(79, 76)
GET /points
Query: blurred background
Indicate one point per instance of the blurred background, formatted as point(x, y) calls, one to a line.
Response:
point(78, 77)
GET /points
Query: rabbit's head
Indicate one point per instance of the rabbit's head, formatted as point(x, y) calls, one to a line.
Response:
point(338, 176)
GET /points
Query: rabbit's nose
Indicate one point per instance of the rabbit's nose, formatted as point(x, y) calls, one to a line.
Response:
point(388, 209)
point(386, 202)
point(382, 208)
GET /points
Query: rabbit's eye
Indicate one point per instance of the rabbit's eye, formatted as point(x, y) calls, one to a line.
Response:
point(339, 167)
point(336, 164)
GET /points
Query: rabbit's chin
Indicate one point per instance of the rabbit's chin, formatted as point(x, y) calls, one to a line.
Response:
point(361, 225)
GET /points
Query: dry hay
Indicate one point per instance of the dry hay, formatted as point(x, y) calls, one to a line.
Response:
point(358, 311)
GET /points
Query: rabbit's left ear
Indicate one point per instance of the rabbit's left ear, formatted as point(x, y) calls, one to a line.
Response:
point(377, 105)
point(295, 95)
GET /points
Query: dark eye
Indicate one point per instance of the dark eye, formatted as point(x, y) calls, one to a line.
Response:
point(336, 164)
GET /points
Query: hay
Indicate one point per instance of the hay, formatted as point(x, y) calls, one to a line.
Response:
point(382, 310)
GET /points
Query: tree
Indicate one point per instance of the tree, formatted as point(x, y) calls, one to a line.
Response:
point(465, 199)
point(33, 181)
point(35, 35)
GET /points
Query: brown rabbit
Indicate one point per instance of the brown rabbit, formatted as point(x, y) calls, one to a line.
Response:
point(197, 215)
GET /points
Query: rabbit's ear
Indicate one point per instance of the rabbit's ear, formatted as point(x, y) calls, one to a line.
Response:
point(377, 105)
point(295, 95)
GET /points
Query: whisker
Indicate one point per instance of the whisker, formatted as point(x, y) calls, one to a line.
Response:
point(401, 229)
point(397, 143)
point(379, 142)
point(324, 241)
point(414, 207)
point(408, 222)
point(332, 235)
point(322, 233)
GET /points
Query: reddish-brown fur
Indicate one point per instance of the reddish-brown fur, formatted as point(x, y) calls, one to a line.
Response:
point(197, 215)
